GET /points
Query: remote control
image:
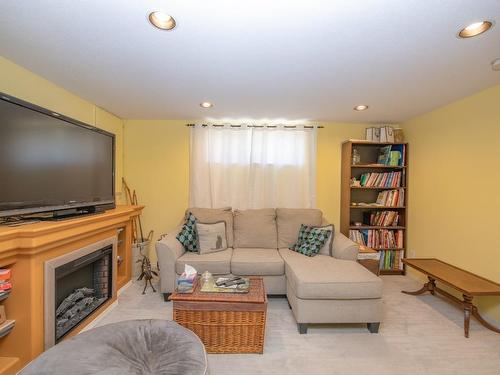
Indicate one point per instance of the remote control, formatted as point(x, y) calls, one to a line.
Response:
point(222, 282)
point(235, 282)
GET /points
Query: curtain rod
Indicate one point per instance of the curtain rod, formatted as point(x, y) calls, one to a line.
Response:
point(260, 126)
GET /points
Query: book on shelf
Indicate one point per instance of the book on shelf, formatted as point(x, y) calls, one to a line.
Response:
point(5, 284)
point(381, 218)
point(391, 260)
point(384, 155)
point(392, 155)
point(378, 238)
point(391, 198)
point(383, 180)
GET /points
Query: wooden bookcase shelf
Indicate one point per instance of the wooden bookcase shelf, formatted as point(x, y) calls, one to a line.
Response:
point(351, 213)
point(375, 187)
point(379, 207)
point(375, 227)
point(375, 166)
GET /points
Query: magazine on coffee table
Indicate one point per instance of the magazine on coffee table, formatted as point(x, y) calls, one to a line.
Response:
point(210, 287)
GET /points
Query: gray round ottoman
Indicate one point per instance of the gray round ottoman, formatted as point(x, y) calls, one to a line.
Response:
point(130, 347)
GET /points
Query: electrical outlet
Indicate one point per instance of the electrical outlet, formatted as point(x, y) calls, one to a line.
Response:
point(411, 253)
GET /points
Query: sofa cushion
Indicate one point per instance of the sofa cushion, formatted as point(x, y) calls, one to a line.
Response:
point(289, 221)
point(214, 215)
point(257, 262)
point(325, 277)
point(255, 228)
point(218, 263)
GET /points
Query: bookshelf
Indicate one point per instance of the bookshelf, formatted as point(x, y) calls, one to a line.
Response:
point(380, 226)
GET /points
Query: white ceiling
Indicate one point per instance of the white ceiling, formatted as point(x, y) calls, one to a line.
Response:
point(307, 59)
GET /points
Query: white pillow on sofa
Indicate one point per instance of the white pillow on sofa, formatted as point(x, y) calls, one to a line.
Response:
point(211, 237)
point(327, 247)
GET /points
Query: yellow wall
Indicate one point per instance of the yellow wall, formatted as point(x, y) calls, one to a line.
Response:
point(454, 194)
point(157, 167)
point(25, 85)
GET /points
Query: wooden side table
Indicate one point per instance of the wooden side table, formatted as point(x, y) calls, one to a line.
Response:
point(469, 284)
point(370, 259)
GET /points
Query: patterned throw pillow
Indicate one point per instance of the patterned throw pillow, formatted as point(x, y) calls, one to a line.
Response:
point(303, 233)
point(313, 243)
point(188, 236)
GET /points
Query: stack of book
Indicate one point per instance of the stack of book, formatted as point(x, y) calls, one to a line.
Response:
point(393, 155)
point(5, 284)
point(391, 198)
point(391, 260)
point(386, 179)
point(378, 238)
point(381, 218)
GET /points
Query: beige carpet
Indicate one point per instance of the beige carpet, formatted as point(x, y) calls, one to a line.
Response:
point(419, 335)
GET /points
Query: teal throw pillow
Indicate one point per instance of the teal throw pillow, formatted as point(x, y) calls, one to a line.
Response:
point(188, 236)
point(303, 233)
point(313, 243)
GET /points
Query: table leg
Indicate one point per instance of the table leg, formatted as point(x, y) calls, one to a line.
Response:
point(476, 314)
point(468, 308)
point(429, 286)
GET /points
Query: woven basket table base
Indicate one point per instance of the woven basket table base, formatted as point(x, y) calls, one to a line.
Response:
point(225, 322)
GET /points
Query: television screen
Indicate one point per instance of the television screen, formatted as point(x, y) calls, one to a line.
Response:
point(49, 162)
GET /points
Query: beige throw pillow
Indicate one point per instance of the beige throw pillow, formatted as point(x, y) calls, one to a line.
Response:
point(211, 237)
point(327, 247)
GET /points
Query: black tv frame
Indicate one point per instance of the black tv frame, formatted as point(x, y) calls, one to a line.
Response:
point(67, 210)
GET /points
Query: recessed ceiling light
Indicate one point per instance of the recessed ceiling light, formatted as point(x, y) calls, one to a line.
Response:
point(475, 28)
point(361, 107)
point(162, 20)
point(495, 65)
point(206, 105)
point(55, 114)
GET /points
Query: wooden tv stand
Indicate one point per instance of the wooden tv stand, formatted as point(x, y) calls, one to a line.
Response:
point(24, 250)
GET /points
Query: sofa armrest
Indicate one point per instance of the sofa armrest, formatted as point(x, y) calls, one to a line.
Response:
point(168, 250)
point(344, 248)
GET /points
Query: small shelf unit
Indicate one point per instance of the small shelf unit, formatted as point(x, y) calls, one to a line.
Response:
point(352, 212)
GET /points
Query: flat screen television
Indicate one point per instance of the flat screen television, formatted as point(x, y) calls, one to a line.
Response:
point(50, 163)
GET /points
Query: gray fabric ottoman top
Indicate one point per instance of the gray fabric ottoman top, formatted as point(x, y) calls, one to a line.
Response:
point(129, 347)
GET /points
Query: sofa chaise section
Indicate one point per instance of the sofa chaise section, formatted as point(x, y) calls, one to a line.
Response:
point(324, 289)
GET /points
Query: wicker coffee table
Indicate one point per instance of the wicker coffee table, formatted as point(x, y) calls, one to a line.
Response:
point(225, 322)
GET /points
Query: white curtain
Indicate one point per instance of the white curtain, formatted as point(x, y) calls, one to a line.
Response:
point(252, 167)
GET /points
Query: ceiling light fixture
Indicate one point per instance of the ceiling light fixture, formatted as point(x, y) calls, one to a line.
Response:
point(475, 29)
point(206, 105)
point(161, 20)
point(361, 107)
point(495, 65)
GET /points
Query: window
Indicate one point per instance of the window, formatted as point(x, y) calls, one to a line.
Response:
point(252, 167)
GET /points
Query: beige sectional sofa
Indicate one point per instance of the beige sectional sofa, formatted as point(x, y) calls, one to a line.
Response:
point(330, 287)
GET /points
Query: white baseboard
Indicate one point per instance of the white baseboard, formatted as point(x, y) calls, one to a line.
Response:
point(99, 317)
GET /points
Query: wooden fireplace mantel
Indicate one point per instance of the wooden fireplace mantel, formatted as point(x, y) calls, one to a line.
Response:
point(24, 250)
